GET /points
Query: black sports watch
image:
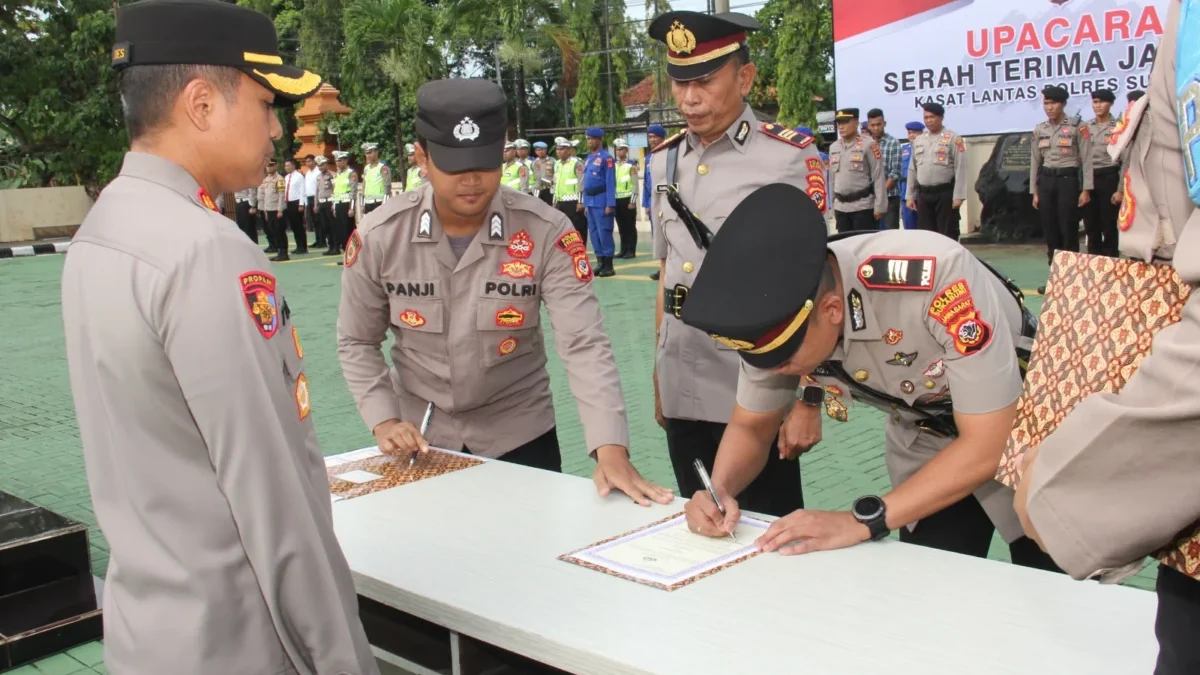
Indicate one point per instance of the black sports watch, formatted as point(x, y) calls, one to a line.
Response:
point(872, 512)
point(812, 395)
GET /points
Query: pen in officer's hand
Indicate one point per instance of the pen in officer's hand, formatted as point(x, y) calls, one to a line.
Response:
point(711, 490)
point(424, 427)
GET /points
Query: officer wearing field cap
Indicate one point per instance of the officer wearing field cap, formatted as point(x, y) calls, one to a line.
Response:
point(515, 173)
point(377, 179)
point(909, 323)
point(1060, 173)
point(856, 176)
point(699, 175)
point(522, 146)
point(345, 192)
point(568, 177)
point(324, 200)
point(459, 272)
point(655, 134)
point(415, 176)
point(1100, 214)
point(1116, 481)
point(937, 175)
point(543, 173)
point(600, 199)
point(626, 173)
point(189, 383)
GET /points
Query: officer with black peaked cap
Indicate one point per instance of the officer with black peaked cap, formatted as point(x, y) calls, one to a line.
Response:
point(1060, 173)
point(188, 376)
point(906, 322)
point(1100, 214)
point(698, 177)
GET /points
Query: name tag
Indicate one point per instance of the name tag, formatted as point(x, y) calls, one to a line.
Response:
point(509, 289)
point(411, 289)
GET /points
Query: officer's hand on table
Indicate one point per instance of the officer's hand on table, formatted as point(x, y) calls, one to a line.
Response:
point(806, 531)
point(704, 518)
point(958, 203)
point(1085, 197)
point(801, 430)
point(399, 438)
point(1021, 499)
point(614, 470)
point(1035, 200)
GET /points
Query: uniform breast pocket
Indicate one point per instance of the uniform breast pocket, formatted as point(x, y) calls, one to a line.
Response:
point(421, 326)
point(507, 328)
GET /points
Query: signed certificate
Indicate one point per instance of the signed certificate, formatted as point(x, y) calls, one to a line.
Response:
point(668, 555)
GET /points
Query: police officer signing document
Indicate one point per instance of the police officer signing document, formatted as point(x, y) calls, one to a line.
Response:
point(1118, 479)
point(188, 375)
point(699, 176)
point(907, 322)
point(459, 270)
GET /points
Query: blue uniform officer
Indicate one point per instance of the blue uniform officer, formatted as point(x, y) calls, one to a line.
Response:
point(908, 216)
point(655, 135)
point(600, 200)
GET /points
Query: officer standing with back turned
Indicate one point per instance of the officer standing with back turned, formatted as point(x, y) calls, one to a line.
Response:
point(699, 175)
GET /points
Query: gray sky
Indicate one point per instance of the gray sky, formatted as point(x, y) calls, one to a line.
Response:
point(636, 9)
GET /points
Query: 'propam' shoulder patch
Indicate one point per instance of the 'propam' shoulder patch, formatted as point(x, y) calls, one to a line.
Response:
point(897, 273)
point(789, 136)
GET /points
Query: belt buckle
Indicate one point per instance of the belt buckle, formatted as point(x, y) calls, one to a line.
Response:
point(680, 294)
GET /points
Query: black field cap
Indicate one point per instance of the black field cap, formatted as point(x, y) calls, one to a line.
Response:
point(697, 43)
point(463, 123)
point(935, 108)
point(846, 114)
point(208, 33)
point(756, 288)
point(1053, 93)
point(1106, 95)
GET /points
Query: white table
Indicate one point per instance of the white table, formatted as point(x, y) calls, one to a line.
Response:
point(475, 551)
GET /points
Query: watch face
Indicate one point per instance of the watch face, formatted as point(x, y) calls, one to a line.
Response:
point(813, 395)
point(868, 507)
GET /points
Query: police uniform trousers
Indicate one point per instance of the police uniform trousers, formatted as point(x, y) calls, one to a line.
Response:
point(1100, 214)
point(578, 219)
point(1177, 625)
point(776, 491)
point(271, 229)
point(367, 208)
point(541, 453)
point(325, 222)
point(600, 227)
point(964, 526)
point(627, 226)
point(849, 221)
point(343, 224)
point(245, 221)
point(546, 195)
point(295, 219)
point(935, 209)
point(891, 219)
point(1058, 208)
point(312, 217)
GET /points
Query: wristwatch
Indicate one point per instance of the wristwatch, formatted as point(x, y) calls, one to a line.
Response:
point(872, 512)
point(812, 395)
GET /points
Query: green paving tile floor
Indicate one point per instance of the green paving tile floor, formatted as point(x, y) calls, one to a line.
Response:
point(40, 456)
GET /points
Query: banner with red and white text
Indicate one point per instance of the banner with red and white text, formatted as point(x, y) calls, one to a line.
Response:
point(987, 61)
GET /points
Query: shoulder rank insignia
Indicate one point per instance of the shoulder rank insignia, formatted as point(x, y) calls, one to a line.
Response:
point(897, 273)
point(782, 133)
point(670, 141)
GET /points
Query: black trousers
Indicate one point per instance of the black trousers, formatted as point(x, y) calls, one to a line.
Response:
point(577, 218)
point(540, 453)
point(312, 217)
point(325, 224)
point(295, 220)
point(776, 491)
point(847, 221)
point(892, 217)
point(1100, 214)
point(271, 228)
point(1058, 209)
point(246, 222)
point(546, 195)
point(342, 226)
point(1177, 625)
point(627, 226)
point(936, 212)
point(964, 527)
point(367, 208)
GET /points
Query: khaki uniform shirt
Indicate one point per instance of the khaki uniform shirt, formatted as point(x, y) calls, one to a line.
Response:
point(853, 167)
point(938, 159)
point(1100, 135)
point(324, 187)
point(1118, 478)
point(543, 169)
point(697, 376)
point(468, 333)
point(953, 335)
point(1059, 146)
point(270, 192)
point(193, 408)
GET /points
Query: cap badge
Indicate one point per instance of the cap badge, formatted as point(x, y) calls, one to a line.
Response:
point(680, 39)
point(740, 345)
point(466, 130)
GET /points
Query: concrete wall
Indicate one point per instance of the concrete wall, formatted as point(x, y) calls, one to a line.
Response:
point(28, 214)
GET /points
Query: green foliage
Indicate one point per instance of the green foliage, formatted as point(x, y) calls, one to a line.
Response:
point(794, 54)
point(372, 120)
point(321, 38)
point(592, 101)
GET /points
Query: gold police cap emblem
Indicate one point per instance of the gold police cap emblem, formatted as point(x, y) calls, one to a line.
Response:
point(680, 39)
point(740, 345)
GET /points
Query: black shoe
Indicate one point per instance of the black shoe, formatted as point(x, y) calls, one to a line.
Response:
point(300, 251)
point(282, 257)
point(654, 276)
point(628, 255)
point(331, 251)
point(606, 268)
point(270, 249)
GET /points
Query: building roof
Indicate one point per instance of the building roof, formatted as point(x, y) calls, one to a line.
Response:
point(641, 93)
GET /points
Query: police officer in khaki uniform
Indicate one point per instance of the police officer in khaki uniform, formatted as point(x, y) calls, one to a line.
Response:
point(543, 173)
point(1100, 214)
point(188, 375)
point(324, 200)
point(937, 175)
point(1060, 173)
point(459, 271)
point(699, 175)
point(1118, 478)
point(909, 323)
point(247, 201)
point(856, 176)
point(270, 204)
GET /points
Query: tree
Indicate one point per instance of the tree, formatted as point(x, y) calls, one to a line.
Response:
point(321, 39)
point(794, 53)
point(598, 93)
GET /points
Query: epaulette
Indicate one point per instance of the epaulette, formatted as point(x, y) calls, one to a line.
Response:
point(789, 136)
point(897, 273)
point(669, 142)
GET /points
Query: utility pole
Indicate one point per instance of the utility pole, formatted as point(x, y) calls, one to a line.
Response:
point(721, 5)
point(608, 60)
point(497, 53)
